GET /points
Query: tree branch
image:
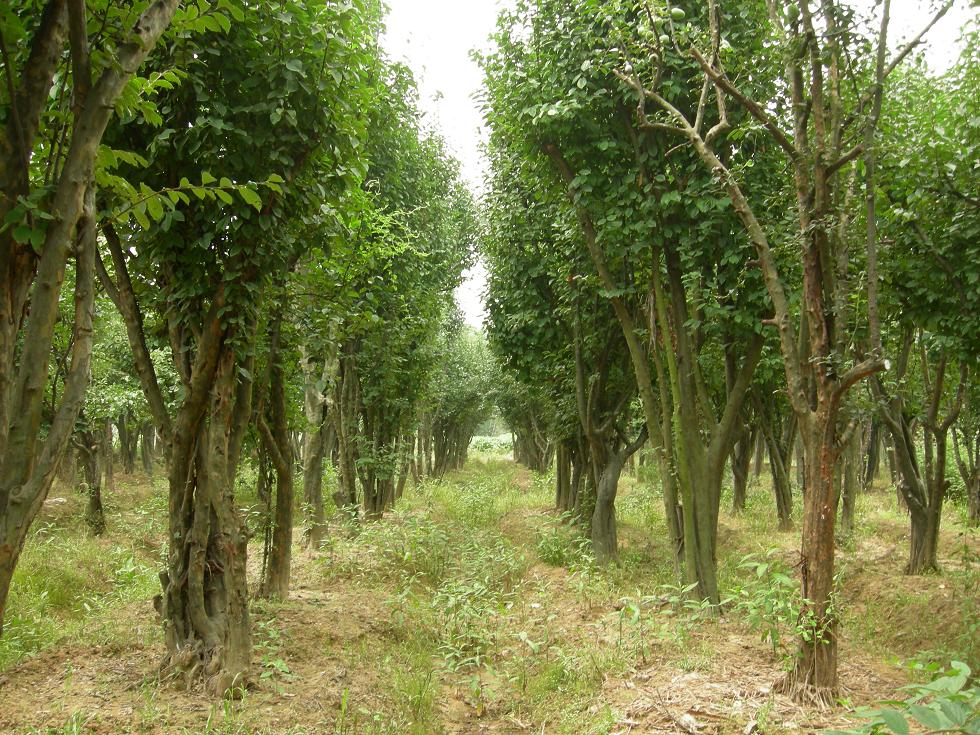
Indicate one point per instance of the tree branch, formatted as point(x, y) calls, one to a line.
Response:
point(123, 296)
point(857, 373)
point(753, 107)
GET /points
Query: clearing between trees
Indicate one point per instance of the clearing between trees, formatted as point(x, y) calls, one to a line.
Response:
point(474, 608)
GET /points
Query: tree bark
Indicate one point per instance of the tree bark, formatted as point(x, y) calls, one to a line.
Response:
point(966, 451)
point(604, 540)
point(89, 448)
point(276, 438)
point(204, 604)
point(741, 458)
point(849, 486)
point(26, 474)
point(147, 437)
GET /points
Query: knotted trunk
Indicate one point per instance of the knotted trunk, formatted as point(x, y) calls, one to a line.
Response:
point(204, 604)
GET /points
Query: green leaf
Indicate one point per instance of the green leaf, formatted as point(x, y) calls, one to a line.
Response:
point(22, 233)
point(154, 208)
point(894, 721)
point(207, 178)
point(927, 716)
point(251, 197)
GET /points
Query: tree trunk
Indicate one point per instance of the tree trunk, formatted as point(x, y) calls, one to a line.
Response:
point(147, 439)
point(127, 444)
point(314, 451)
point(27, 465)
point(760, 453)
point(90, 457)
point(849, 486)
point(780, 449)
point(872, 454)
point(563, 477)
point(741, 458)
point(345, 414)
point(973, 500)
point(801, 474)
point(966, 451)
point(204, 603)
point(603, 527)
point(406, 450)
point(815, 672)
point(278, 442)
point(109, 457)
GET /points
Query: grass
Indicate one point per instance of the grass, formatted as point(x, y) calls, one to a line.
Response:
point(67, 583)
point(474, 602)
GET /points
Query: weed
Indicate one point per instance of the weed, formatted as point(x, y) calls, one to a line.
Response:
point(769, 600)
point(947, 704)
point(268, 644)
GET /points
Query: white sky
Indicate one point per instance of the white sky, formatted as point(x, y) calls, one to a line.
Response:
point(435, 38)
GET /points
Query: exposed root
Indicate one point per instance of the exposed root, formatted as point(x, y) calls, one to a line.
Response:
point(192, 663)
point(802, 692)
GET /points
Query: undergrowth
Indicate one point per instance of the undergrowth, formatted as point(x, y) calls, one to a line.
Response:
point(478, 592)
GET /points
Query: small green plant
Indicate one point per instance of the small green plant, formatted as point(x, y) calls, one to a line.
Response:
point(268, 645)
point(76, 724)
point(949, 703)
point(769, 600)
point(565, 547)
point(467, 607)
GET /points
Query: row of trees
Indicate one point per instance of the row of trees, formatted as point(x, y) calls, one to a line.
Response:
point(734, 223)
point(263, 241)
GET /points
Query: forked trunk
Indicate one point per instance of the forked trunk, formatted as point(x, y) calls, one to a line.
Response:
point(604, 540)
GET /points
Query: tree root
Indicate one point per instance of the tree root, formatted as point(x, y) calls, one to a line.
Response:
point(193, 664)
point(804, 693)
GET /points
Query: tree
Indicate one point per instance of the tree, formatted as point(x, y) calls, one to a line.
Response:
point(654, 231)
point(816, 45)
point(930, 225)
point(256, 112)
point(550, 325)
point(48, 211)
point(459, 396)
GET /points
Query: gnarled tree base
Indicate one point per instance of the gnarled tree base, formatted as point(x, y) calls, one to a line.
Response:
point(813, 680)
